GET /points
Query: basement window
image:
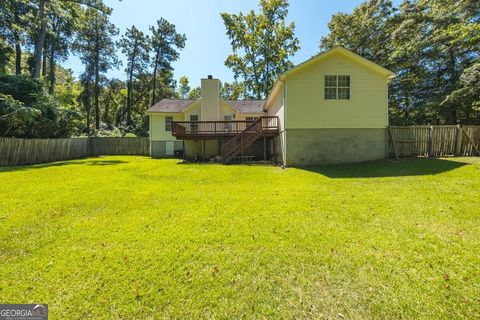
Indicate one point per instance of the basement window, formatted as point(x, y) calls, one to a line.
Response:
point(168, 123)
point(337, 87)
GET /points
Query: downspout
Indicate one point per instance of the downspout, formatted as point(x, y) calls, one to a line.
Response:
point(284, 150)
point(150, 132)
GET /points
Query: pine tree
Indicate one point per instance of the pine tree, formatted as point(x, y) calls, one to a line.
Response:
point(135, 46)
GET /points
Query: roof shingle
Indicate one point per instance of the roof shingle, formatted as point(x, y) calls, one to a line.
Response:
point(171, 105)
point(177, 105)
point(248, 106)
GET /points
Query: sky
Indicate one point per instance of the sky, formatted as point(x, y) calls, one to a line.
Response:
point(207, 45)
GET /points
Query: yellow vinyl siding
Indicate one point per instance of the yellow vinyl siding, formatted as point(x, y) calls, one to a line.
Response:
point(307, 107)
point(157, 126)
point(226, 110)
point(194, 109)
point(276, 106)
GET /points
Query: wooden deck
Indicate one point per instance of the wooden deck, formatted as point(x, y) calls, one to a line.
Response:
point(199, 130)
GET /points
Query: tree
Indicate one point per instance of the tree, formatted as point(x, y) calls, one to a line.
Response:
point(64, 19)
point(365, 31)
point(28, 111)
point(97, 50)
point(195, 93)
point(465, 100)
point(184, 87)
point(44, 7)
point(86, 95)
point(232, 91)
point(165, 44)
point(42, 31)
point(113, 100)
point(14, 20)
point(262, 45)
point(427, 43)
point(135, 46)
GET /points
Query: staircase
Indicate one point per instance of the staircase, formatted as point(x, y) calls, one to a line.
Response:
point(235, 146)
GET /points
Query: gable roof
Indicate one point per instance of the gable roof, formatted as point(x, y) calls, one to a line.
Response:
point(178, 105)
point(339, 49)
point(247, 106)
point(349, 54)
point(171, 105)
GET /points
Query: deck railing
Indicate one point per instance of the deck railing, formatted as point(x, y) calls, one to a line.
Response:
point(185, 129)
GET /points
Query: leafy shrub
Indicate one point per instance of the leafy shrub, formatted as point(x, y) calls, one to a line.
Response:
point(28, 111)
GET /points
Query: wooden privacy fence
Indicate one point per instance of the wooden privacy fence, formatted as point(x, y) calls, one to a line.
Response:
point(121, 146)
point(15, 151)
point(434, 141)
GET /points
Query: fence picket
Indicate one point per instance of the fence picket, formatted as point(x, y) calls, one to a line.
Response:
point(434, 141)
point(14, 151)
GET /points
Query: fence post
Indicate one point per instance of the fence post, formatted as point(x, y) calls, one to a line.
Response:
point(430, 142)
point(393, 142)
point(456, 145)
point(91, 146)
point(474, 146)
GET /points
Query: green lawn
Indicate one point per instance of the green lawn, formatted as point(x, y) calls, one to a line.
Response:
point(133, 237)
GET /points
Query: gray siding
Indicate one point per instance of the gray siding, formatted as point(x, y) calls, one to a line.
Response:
point(157, 148)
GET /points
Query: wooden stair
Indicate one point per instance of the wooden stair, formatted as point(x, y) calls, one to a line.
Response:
point(235, 146)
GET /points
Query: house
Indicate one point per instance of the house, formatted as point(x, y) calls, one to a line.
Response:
point(332, 108)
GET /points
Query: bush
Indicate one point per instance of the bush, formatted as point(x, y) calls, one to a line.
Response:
point(28, 111)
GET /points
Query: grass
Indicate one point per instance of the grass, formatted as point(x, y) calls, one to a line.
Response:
point(133, 237)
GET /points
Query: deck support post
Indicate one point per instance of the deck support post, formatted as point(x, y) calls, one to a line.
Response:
point(204, 150)
point(265, 149)
point(242, 149)
point(184, 152)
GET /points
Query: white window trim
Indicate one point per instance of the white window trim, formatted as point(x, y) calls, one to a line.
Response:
point(337, 86)
point(170, 124)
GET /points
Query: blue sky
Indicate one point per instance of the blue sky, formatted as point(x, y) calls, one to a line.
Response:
point(207, 45)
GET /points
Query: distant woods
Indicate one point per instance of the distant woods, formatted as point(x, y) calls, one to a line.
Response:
point(432, 45)
point(41, 98)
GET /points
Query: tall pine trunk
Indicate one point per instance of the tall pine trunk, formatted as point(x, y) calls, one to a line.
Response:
point(52, 70)
point(18, 46)
point(87, 104)
point(106, 110)
point(41, 40)
point(154, 84)
point(452, 117)
point(18, 55)
point(44, 62)
point(97, 83)
point(129, 86)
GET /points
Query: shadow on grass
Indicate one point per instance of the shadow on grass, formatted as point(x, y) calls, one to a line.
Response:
point(89, 162)
point(387, 168)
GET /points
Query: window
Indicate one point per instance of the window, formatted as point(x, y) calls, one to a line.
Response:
point(194, 126)
point(344, 87)
point(168, 123)
point(330, 87)
point(251, 118)
point(228, 125)
point(337, 87)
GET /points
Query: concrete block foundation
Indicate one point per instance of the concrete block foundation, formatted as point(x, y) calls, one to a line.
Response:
point(306, 147)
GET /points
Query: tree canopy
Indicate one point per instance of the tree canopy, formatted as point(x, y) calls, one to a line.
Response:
point(432, 45)
point(36, 38)
point(262, 45)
